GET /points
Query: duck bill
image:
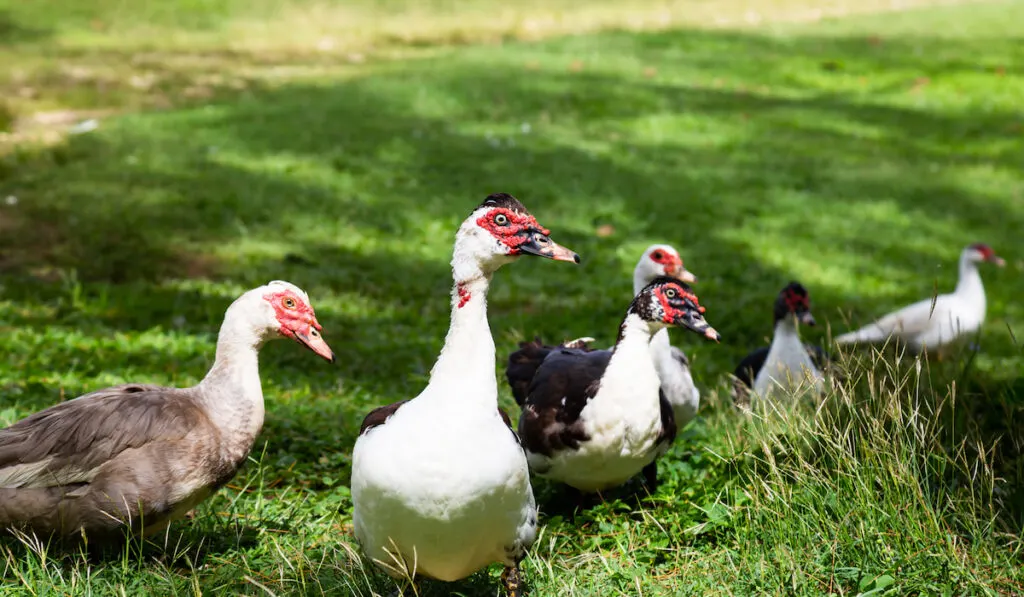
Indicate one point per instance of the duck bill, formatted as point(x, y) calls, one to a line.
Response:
point(683, 274)
point(316, 344)
point(807, 319)
point(695, 322)
point(997, 260)
point(541, 245)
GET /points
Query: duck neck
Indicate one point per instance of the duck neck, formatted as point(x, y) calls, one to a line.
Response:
point(631, 365)
point(969, 285)
point(786, 329)
point(640, 281)
point(786, 339)
point(467, 358)
point(231, 392)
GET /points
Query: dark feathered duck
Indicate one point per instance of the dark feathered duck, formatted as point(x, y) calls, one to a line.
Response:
point(133, 458)
point(592, 419)
point(440, 484)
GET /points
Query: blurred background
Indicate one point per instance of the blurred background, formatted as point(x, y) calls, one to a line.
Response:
point(158, 158)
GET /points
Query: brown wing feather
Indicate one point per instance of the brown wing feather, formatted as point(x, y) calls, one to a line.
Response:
point(127, 457)
point(81, 434)
point(508, 423)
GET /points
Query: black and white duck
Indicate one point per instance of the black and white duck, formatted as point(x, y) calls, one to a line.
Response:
point(788, 365)
point(593, 419)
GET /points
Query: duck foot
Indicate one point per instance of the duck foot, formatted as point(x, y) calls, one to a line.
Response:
point(511, 581)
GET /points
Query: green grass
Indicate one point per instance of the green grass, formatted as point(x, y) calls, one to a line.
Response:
point(857, 155)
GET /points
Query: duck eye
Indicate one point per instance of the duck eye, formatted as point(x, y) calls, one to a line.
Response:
point(670, 293)
point(501, 220)
point(289, 303)
point(658, 256)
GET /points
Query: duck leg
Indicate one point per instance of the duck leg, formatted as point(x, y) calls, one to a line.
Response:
point(650, 473)
point(407, 589)
point(511, 581)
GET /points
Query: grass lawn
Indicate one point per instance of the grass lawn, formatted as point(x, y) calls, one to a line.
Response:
point(340, 148)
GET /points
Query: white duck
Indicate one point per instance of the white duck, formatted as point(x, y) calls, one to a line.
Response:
point(595, 418)
point(135, 457)
point(672, 364)
point(788, 365)
point(440, 484)
point(935, 322)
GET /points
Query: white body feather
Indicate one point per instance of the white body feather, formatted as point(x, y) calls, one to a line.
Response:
point(788, 368)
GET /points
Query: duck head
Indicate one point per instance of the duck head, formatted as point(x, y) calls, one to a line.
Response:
point(795, 301)
point(668, 302)
point(980, 252)
point(285, 310)
point(499, 231)
point(661, 260)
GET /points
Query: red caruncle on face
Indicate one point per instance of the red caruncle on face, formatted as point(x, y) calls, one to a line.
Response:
point(681, 294)
point(508, 226)
point(665, 258)
point(293, 312)
point(796, 300)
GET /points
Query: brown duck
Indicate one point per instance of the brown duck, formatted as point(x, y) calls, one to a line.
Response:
point(136, 457)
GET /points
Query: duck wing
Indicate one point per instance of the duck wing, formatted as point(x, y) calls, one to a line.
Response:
point(67, 444)
point(561, 387)
point(904, 323)
point(523, 363)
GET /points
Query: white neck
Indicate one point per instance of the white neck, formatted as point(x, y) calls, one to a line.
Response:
point(787, 362)
point(631, 364)
point(465, 367)
point(786, 345)
point(786, 328)
point(969, 286)
point(231, 393)
point(639, 281)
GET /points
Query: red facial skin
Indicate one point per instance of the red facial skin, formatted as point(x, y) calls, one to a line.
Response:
point(985, 250)
point(794, 300)
point(668, 309)
point(988, 254)
point(298, 322)
point(299, 318)
point(510, 234)
point(670, 262)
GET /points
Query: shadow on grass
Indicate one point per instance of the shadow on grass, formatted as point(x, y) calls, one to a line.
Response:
point(357, 186)
point(11, 31)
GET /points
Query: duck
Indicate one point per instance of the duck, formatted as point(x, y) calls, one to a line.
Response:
point(131, 459)
point(934, 323)
point(787, 365)
point(593, 419)
point(671, 362)
point(440, 483)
